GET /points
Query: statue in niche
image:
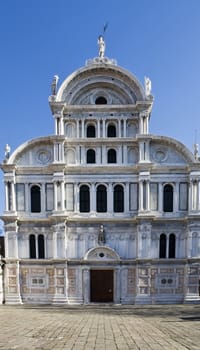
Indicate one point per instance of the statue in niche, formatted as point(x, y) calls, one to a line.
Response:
point(101, 235)
point(54, 84)
point(147, 83)
point(102, 46)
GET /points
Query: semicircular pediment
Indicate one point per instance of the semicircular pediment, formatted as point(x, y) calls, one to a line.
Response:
point(101, 253)
point(124, 85)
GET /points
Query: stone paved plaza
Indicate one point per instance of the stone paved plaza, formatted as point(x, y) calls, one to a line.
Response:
point(100, 327)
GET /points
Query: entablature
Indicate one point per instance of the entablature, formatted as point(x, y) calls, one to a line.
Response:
point(57, 107)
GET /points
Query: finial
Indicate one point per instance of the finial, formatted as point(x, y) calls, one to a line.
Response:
point(147, 84)
point(7, 151)
point(54, 84)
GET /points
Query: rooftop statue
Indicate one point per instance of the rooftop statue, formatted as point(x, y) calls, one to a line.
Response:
point(7, 151)
point(54, 84)
point(147, 83)
point(102, 46)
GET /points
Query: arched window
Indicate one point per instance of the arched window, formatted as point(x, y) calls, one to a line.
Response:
point(91, 132)
point(84, 199)
point(91, 156)
point(101, 199)
point(41, 253)
point(35, 199)
point(70, 156)
point(112, 157)
point(118, 199)
point(32, 247)
point(111, 131)
point(163, 246)
point(70, 130)
point(101, 101)
point(172, 246)
point(168, 198)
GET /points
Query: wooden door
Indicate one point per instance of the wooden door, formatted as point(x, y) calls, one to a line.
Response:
point(101, 286)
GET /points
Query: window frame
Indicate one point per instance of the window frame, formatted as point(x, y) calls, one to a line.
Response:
point(84, 203)
point(91, 156)
point(88, 134)
point(168, 199)
point(111, 156)
point(110, 133)
point(118, 199)
point(38, 203)
point(101, 199)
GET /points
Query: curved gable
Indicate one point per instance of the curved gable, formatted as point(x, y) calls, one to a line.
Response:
point(37, 152)
point(118, 85)
point(166, 150)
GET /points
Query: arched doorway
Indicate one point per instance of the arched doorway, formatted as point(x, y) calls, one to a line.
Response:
point(101, 281)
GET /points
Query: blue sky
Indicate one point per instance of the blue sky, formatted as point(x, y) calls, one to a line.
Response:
point(40, 38)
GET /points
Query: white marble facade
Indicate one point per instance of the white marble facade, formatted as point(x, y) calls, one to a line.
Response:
point(101, 200)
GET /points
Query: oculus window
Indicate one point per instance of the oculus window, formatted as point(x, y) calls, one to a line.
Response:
point(101, 100)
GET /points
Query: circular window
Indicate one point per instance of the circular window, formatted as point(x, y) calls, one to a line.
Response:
point(163, 281)
point(101, 255)
point(101, 101)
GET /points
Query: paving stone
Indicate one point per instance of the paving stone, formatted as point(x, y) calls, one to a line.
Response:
point(100, 328)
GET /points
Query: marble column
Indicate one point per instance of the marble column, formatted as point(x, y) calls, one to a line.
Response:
point(13, 197)
point(55, 197)
point(104, 128)
point(93, 198)
point(98, 128)
point(119, 127)
point(110, 198)
point(55, 253)
point(43, 198)
point(7, 196)
point(82, 128)
point(86, 286)
point(125, 126)
point(126, 198)
point(77, 129)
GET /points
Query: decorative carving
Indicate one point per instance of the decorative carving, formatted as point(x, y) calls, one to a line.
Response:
point(160, 155)
point(43, 156)
point(100, 253)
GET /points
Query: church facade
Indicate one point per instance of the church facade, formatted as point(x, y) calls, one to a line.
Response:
point(102, 211)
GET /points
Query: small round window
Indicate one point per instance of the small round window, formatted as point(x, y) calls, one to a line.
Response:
point(101, 101)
